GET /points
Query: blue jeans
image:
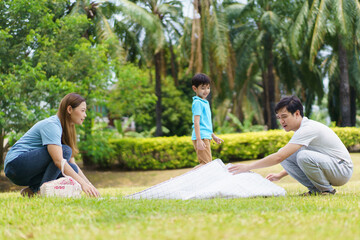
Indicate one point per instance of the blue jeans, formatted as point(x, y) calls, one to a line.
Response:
point(35, 167)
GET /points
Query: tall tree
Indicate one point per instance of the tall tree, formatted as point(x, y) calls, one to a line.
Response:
point(22, 98)
point(165, 15)
point(256, 37)
point(333, 24)
point(206, 44)
point(259, 32)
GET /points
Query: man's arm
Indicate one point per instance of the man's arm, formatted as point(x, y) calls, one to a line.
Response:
point(268, 161)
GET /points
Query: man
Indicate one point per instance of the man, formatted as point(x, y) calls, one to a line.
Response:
point(314, 156)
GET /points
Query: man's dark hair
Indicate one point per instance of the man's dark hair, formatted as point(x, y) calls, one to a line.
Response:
point(200, 79)
point(292, 104)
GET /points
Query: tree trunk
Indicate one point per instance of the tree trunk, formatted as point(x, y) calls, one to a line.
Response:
point(173, 66)
point(269, 87)
point(158, 109)
point(345, 113)
point(2, 149)
point(265, 98)
point(353, 106)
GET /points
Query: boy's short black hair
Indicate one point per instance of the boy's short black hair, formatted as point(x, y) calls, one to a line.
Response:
point(200, 79)
point(292, 104)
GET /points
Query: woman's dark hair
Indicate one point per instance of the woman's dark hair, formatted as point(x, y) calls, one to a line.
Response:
point(292, 104)
point(200, 79)
point(69, 131)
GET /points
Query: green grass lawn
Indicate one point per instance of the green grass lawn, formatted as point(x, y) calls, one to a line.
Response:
point(290, 217)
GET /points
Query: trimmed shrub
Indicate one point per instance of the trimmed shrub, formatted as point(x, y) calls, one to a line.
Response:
point(178, 152)
point(155, 153)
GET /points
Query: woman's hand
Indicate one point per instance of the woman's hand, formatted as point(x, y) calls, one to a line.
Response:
point(90, 190)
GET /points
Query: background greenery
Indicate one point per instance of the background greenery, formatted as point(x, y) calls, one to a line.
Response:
point(178, 152)
point(134, 59)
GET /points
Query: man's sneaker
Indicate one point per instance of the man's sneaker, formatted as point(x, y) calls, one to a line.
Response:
point(27, 192)
point(312, 193)
point(308, 194)
point(325, 193)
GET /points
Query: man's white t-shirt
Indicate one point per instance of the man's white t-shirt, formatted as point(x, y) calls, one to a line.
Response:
point(318, 137)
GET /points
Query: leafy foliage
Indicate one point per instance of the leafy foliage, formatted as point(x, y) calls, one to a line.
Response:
point(133, 96)
point(48, 57)
point(178, 152)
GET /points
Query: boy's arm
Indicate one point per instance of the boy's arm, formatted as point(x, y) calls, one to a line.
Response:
point(200, 145)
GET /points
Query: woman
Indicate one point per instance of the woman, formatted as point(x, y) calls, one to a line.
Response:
point(36, 157)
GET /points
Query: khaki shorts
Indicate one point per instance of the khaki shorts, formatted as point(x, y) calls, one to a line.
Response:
point(204, 156)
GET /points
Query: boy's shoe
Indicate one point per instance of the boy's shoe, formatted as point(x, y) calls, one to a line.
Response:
point(27, 192)
point(324, 193)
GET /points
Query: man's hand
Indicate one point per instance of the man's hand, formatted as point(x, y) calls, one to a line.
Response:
point(217, 139)
point(239, 168)
point(273, 177)
point(200, 145)
point(276, 176)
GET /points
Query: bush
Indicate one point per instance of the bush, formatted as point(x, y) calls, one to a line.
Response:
point(98, 150)
point(155, 153)
point(178, 152)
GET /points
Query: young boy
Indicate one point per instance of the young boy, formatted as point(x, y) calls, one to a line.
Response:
point(202, 124)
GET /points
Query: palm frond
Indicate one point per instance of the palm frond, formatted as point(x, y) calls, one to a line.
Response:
point(128, 36)
point(319, 31)
point(149, 21)
point(354, 69)
point(297, 30)
point(270, 21)
point(332, 68)
point(106, 34)
point(313, 11)
point(172, 10)
point(341, 16)
point(78, 8)
point(357, 19)
point(219, 39)
point(234, 11)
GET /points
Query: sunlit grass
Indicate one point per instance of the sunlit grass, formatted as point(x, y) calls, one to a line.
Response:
point(114, 217)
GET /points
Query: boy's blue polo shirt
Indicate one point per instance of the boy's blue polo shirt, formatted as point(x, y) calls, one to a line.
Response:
point(201, 107)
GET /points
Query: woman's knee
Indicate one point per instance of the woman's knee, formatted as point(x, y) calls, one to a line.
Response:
point(67, 152)
point(8, 172)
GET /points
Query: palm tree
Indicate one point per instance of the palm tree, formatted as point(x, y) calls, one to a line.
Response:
point(165, 15)
point(255, 31)
point(335, 24)
point(259, 33)
point(105, 25)
point(205, 43)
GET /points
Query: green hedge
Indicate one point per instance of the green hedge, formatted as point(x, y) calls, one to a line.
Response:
point(178, 152)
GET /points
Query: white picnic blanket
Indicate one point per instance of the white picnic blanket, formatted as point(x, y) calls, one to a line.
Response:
point(211, 181)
